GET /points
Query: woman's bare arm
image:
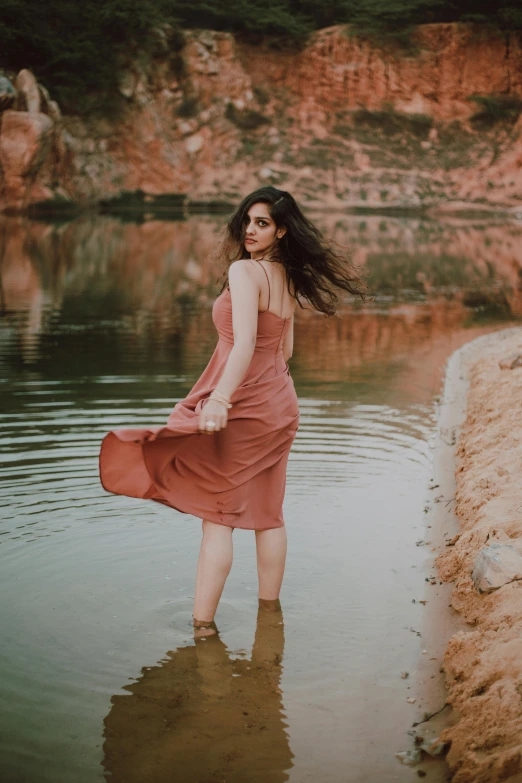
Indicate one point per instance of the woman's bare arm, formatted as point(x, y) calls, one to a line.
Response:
point(244, 291)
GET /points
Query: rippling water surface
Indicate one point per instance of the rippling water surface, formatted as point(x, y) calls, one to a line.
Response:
point(108, 324)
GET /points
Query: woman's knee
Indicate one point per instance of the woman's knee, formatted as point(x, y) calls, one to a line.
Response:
point(272, 539)
point(214, 529)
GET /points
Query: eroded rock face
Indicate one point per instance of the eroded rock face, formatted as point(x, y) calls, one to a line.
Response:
point(341, 72)
point(236, 117)
point(28, 89)
point(25, 142)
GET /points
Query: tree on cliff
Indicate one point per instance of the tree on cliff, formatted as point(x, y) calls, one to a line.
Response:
point(77, 49)
point(297, 18)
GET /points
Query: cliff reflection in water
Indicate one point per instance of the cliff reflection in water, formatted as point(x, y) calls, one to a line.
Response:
point(97, 295)
point(202, 715)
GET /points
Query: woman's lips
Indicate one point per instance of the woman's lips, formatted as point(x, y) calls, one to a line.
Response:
point(250, 240)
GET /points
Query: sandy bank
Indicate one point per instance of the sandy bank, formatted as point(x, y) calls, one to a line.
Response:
point(483, 662)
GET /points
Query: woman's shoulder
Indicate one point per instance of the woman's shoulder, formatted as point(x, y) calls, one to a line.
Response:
point(241, 266)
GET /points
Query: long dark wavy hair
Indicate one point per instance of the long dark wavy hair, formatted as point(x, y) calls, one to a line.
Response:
point(314, 265)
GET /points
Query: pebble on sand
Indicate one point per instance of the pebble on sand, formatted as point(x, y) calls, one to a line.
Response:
point(495, 566)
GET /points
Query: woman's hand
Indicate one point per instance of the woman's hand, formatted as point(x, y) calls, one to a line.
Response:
point(214, 411)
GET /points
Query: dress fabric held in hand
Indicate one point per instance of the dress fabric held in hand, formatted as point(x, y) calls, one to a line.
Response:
point(236, 476)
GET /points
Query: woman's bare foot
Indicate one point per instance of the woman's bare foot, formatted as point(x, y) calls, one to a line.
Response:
point(204, 628)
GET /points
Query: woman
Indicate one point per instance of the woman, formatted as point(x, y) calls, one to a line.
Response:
point(223, 453)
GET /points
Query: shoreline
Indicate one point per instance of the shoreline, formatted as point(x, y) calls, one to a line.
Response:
point(478, 636)
point(164, 205)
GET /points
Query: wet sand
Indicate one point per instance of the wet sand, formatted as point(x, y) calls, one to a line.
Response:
point(483, 659)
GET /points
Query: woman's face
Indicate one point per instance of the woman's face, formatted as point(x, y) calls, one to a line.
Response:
point(260, 230)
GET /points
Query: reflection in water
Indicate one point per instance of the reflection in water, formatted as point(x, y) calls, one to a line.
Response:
point(142, 293)
point(203, 715)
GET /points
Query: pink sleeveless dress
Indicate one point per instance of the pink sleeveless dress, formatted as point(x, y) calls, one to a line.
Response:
point(234, 477)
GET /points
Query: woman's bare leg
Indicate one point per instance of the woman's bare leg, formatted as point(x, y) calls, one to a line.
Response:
point(271, 557)
point(214, 564)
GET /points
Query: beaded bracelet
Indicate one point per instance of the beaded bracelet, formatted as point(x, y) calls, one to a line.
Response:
point(215, 395)
point(221, 402)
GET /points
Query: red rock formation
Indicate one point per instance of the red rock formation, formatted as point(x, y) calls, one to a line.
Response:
point(451, 62)
point(24, 145)
point(237, 117)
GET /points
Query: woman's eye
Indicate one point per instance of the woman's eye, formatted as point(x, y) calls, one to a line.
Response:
point(262, 223)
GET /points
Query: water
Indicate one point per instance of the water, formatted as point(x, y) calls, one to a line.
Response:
point(106, 324)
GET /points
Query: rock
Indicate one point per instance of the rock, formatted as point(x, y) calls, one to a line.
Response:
point(434, 746)
point(496, 565)
point(213, 66)
point(208, 40)
point(411, 700)
point(127, 84)
point(409, 757)
point(194, 143)
point(141, 93)
point(27, 86)
point(24, 144)
point(511, 362)
point(44, 99)
point(23, 141)
point(53, 111)
point(188, 127)
point(404, 675)
point(7, 94)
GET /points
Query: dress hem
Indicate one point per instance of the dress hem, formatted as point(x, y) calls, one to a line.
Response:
point(209, 518)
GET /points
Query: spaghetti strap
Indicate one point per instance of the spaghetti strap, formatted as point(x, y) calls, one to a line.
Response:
point(267, 280)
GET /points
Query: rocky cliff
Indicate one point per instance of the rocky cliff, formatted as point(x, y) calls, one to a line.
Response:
point(341, 124)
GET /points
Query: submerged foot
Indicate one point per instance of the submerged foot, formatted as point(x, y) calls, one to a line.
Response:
point(203, 628)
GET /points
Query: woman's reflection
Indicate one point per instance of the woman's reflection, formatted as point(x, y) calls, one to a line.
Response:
point(202, 716)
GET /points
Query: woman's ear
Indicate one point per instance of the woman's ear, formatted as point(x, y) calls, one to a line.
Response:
point(281, 232)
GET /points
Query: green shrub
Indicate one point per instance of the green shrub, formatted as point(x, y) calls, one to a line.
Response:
point(78, 49)
point(278, 21)
point(494, 109)
point(187, 108)
point(343, 130)
point(245, 119)
point(261, 95)
point(391, 122)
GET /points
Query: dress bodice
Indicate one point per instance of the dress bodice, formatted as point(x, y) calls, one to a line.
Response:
point(271, 328)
